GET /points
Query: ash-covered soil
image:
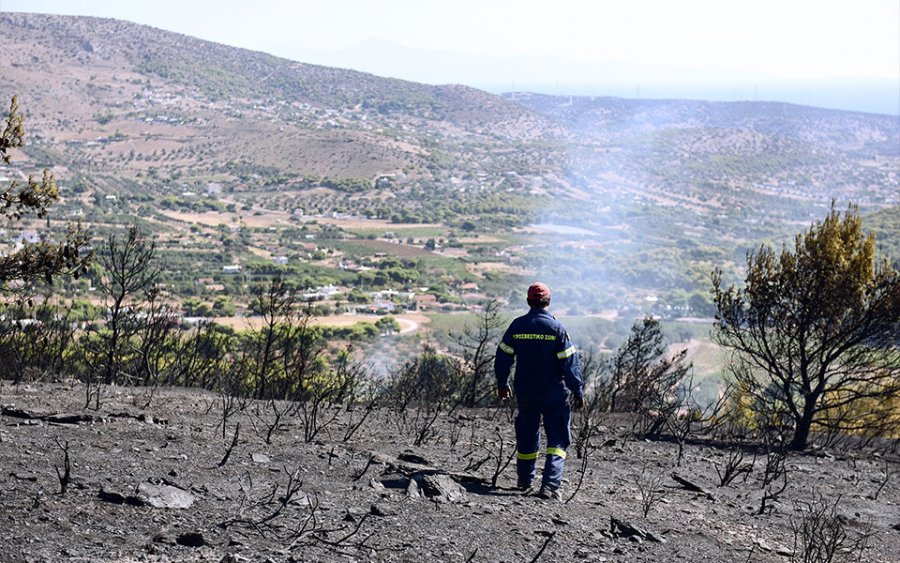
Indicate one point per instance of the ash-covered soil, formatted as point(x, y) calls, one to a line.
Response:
point(148, 484)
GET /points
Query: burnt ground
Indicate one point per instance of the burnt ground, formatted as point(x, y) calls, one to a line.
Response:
point(148, 485)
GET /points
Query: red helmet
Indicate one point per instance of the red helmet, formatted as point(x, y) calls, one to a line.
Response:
point(538, 292)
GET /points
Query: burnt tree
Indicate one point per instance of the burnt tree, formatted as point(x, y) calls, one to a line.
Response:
point(814, 330)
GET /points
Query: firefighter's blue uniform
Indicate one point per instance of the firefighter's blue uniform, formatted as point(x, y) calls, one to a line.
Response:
point(546, 364)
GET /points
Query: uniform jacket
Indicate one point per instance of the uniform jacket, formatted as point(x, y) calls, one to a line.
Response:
point(546, 362)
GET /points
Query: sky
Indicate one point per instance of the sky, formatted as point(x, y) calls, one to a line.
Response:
point(831, 53)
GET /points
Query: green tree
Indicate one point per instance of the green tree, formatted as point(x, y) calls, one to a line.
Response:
point(814, 331)
point(357, 296)
point(223, 306)
point(43, 260)
point(188, 305)
point(194, 307)
point(700, 304)
point(387, 325)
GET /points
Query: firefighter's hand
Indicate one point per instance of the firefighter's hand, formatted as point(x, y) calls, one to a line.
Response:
point(503, 393)
point(577, 403)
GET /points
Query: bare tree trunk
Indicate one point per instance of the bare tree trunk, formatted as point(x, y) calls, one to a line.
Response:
point(800, 441)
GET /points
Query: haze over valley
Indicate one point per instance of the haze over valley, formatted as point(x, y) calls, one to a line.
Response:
point(135, 121)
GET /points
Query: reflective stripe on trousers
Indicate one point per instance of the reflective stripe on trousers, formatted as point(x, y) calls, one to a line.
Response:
point(555, 416)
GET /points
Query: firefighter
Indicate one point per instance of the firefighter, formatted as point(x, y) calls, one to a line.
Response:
point(546, 364)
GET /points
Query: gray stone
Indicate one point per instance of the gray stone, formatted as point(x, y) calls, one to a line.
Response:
point(164, 496)
point(381, 510)
point(354, 514)
point(623, 529)
point(440, 488)
point(111, 496)
point(412, 489)
point(191, 539)
point(260, 458)
point(410, 457)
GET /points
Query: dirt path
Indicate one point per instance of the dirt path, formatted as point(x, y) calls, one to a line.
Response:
point(409, 322)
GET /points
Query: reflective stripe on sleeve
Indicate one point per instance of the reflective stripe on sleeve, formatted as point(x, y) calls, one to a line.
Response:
point(566, 353)
point(507, 348)
point(559, 452)
point(527, 457)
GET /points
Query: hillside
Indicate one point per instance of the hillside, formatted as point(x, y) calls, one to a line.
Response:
point(120, 99)
point(609, 199)
point(739, 156)
point(155, 484)
point(673, 188)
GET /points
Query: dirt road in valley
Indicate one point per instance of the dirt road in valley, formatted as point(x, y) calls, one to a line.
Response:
point(409, 322)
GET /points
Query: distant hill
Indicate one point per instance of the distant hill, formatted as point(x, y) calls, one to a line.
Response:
point(140, 91)
point(608, 118)
point(777, 161)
